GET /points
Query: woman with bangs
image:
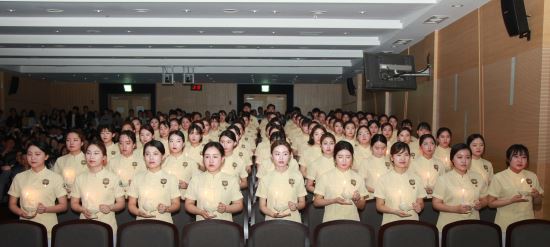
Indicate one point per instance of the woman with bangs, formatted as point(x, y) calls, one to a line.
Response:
point(322, 164)
point(194, 149)
point(514, 191)
point(281, 191)
point(399, 193)
point(338, 128)
point(476, 142)
point(164, 132)
point(312, 150)
point(97, 194)
point(387, 131)
point(376, 165)
point(213, 194)
point(341, 190)
point(374, 127)
point(129, 162)
point(155, 124)
point(71, 165)
point(426, 166)
point(460, 193)
point(362, 146)
point(241, 150)
point(443, 149)
point(234, 164)
point(405, 135)
point(136, 122)
point(146, 134)
point(349, 132)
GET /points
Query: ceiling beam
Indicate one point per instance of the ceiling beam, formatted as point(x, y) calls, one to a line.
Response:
point(195, 53)
point(198, 70)
point(233, 23)
point(173, 62)
point(189, 40)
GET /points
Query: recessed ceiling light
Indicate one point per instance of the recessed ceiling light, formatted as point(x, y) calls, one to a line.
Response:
point(211, 46)
point(201, 31)
point(346, 33)
point(436, 19)
point(318, 12)
point(363, 12)
point(241, 47)
point(179, 46)
point(273, 33)
point(11, 10)
point(98, 10)
point(457, 5)
point(237, 32)
point(275, 12)
point(57, 31)
point(230, 11)
point(93, 31)
point(254, 11)
point(54, 10)
point(149, 46)
point(310, 33)
point(118, 46)
point(186, 10)
point(128, 31)
point(142, 10)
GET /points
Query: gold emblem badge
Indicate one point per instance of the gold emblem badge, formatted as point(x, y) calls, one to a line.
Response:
point(134, 164)
point(388, 165)
point(529, 182)
point(412, 183)
point(486, 168)
point(224, 184)
point(243, 146)
point(436, 167)
point(241, 154)
point(83, 162)
point(412, 155)
point(291, 181)
point(353, 182)
point(105, 182)
point(474, 182)
point(234, 165)
point(184, 164)
point(45, 182)
point(163, 181)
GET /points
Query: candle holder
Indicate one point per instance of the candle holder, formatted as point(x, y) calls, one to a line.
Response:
point(405, 207)
point(149, 207)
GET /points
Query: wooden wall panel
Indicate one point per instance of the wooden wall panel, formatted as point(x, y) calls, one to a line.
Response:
point(32, 94)
point(213, 97)
point(398, 104)
point(74, 94)
point(324, 96)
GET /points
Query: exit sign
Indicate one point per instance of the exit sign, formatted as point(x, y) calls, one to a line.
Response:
point(196, 87)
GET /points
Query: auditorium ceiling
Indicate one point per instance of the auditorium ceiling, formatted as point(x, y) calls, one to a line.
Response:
point(246, 41)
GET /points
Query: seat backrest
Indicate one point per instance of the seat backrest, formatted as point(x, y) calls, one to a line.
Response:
point(278, 233)
point(488, 214)
point(408, 233)
point(370, 216)
point(313, 216)
point(471, 233)
point(68, 215)
point(212, 233)
point(182, 218)
point(82, 233)
point(429, 214)
point(257, 215)
point(528, 233)
point(23, 233)
point(146, 233)
point(343, 233)
point(124, 216)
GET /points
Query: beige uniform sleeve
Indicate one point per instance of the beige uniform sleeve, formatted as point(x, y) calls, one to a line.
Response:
point(191, 192)
point(58, 183)
point(321, 186)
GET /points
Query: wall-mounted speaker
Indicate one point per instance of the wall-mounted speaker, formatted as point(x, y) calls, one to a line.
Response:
point(351, 87)
point(515, 18)
point(14, 85)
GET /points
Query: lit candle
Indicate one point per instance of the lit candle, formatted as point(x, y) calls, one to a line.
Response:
point(428, 175)
point(209, 201)
point(69, 176)
point(463, 195)
point(148, 204)
point(400, 196)
point(276, 202)
point(29, 202)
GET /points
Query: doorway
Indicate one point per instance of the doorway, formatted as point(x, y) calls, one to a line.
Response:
point(123, 102)
point(257, 100)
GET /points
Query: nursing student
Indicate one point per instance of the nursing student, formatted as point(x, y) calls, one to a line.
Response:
point(460, 193)
point(97, 194)
point(234, 164)
point(404, 135)
point(154, 190)
point(323, 163)
point(443, 149)
point(312, 150)
point(107, 134)
point(71, 165)
point(514, 191)
point(399, 193)
point(177, 164)
point(341, 191)
point(213, 194)
point(479, 164)
point(362, 146)
point(349, 132)
point(376, 165)
point(426, 166)
point(129, 162)
point(33, 193)
point(194, 149)
point(281, 191)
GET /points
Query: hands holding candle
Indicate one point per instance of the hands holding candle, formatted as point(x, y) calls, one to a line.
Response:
point(29, 205)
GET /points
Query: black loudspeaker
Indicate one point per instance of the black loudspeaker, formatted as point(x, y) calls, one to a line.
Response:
point(515, 18)
point(351, 87)
point(14, 85)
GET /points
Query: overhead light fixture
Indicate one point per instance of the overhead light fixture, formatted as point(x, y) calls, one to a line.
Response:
point(57, 31)
point(275, 12)
point(93, 31)
point(310, 33)
point(127, 88)
point(54, 10)
point(142, 10)
point(346, 33)
point(186, 10)
point(457, 5)
point(254, 11)
point(201, 32)
point(179, 46)
point(237, 32)
point(318, 12)
point(230, 11)
point(273, 32)
point(11, 10)
point(265, 88)
point(402, 41)
point(363, 12)
point(436, 19)
point(98, 10)
point(118, 46)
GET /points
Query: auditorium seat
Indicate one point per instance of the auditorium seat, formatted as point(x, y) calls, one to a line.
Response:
point(146, 233)
point(212, 233)
point(182, 218)
point(343, 233)
point(256, 216)
point(408, 233)
point(370, 216)
point(528, 233)
point(68, 215)
point(23, 233)
point(124, 216)
point(82, 233)
point(312, 217)
point(276, 233)
point(471, 233)
point(429, 214)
